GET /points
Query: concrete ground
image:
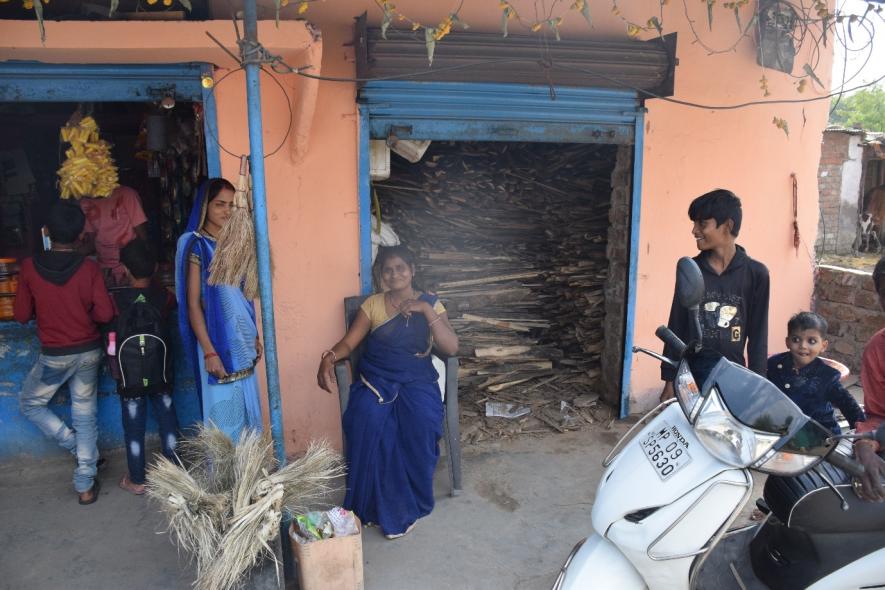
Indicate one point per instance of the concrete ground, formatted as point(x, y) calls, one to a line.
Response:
point(526, 502)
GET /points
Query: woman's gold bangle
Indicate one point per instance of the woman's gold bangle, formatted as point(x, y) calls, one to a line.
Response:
point(327, 353)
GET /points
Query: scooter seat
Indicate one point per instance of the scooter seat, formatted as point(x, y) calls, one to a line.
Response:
point(805, 502)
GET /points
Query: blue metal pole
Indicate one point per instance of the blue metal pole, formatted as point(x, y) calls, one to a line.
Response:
point(365, 204)
point(262, 244)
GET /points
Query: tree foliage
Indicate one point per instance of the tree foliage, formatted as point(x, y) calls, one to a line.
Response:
point(865, 108)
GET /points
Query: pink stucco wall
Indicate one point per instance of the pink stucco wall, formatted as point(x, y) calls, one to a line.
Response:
point(312, 185)
point(689, 151)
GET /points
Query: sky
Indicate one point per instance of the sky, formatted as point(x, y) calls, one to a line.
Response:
point(861, 73)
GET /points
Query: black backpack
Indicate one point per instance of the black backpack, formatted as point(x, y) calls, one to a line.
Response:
point(142, 364)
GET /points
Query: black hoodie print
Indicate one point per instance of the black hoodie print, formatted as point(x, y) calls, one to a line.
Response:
point(734, 313)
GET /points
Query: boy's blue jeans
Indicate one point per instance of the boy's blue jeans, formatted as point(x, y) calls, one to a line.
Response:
point(80, 371)
point(134, 416)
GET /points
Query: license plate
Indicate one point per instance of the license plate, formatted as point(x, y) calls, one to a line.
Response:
point(666, 449)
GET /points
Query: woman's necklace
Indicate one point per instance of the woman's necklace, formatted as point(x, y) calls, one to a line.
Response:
point(396, 305)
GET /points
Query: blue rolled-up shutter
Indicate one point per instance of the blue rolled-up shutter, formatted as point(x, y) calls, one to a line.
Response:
point(472, 111)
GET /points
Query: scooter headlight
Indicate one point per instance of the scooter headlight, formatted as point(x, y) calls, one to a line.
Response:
point(727, 439)
point(687, 392)
point(786, 463)
point(805, 448)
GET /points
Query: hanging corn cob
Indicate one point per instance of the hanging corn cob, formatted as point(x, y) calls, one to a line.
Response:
point(235, 262)
point(88, 170)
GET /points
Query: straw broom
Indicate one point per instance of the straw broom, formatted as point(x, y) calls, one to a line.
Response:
point(226, 509)
point(235, 262)
point(196, 518)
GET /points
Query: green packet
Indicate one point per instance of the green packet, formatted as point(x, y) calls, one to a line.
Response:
point(314, 526)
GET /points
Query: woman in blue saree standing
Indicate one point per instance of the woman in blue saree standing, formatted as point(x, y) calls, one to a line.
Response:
point(393, 420)
point(217, 323)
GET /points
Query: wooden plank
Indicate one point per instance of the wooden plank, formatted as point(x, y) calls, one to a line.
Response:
point(493, 279)
point(501, 351)
point(513, 238)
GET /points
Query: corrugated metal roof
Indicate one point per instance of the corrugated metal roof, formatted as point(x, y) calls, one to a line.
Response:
point(840, 129)
point(626, 65)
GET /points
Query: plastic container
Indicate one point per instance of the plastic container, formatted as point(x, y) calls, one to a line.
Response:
point(8, 286)
point(7, 309)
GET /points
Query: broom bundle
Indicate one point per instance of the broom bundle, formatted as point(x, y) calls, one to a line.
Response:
point(235, 262)
point(226, 509)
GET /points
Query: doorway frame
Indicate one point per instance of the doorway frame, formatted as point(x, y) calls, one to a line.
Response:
point(38, 82)
point(444, 121)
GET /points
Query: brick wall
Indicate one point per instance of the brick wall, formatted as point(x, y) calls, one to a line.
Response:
point(847, 299)
point(834, 153)
point(617, 250)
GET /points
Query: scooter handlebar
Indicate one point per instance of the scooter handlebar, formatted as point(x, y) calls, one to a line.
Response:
point(845, 463)
point(670, 339)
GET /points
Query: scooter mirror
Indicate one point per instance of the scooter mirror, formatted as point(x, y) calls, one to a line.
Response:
point(689, 283)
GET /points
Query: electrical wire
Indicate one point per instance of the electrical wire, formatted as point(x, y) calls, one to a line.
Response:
point(280, 67)
point(405, 76)
point(846, 50)
point(595, 74)
point(288, 104)
point(722, 107)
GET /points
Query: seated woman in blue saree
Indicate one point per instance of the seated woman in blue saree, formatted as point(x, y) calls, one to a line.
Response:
point(217, 323)
point(393, 420)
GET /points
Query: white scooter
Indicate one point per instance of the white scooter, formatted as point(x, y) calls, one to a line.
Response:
point(675, 483)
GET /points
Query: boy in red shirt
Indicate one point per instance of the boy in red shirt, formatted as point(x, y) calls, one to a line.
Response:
point(66, 293)
point(872, 377)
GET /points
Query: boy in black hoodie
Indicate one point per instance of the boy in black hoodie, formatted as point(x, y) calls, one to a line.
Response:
point(734, 312)
point(66, 293)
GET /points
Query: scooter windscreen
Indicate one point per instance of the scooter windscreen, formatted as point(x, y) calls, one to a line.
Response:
point(747, 421)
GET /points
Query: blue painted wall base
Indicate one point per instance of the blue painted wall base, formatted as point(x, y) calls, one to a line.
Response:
point(20, 439)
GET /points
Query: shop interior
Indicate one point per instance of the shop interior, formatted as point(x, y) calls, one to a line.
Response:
point(515, 240)
point(159, 151)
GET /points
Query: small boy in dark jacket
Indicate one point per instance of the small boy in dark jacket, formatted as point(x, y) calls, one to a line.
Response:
point(141, 363)
point(813, 385)
point(65, 292)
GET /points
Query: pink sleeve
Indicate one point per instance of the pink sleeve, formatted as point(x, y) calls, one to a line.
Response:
point(132, 202)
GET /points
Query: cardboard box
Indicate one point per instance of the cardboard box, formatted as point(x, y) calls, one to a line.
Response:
point(330, 564)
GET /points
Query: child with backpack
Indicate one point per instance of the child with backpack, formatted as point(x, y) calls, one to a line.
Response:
point(138, 351)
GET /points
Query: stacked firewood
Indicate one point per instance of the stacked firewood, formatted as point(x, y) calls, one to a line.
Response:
point(512, 237)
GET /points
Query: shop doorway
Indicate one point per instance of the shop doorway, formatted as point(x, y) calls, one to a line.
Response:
point(527, 246)
point(160, 152)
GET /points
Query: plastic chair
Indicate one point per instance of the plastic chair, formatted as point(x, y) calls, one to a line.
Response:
point(448, 387)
